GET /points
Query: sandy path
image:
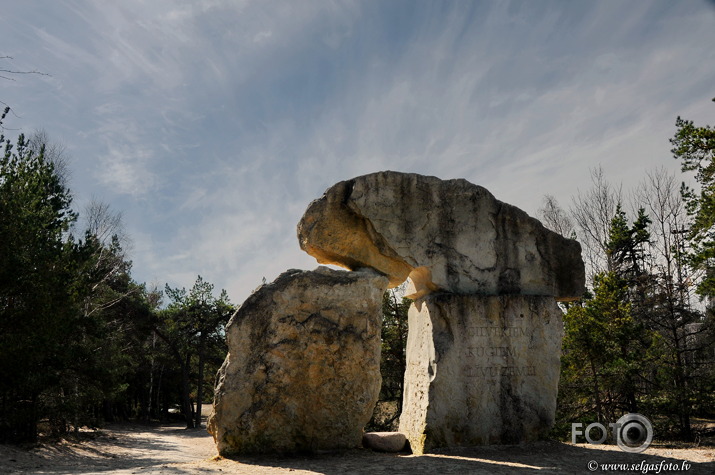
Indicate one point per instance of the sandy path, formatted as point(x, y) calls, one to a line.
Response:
point(170, 449)
point(119, 449)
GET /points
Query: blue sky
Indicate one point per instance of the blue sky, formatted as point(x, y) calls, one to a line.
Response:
point(212, 124)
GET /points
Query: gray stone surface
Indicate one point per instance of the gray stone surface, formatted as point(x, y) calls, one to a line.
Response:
point(302, 373)
point(448, 235)
point(384, 441)
point(480, 370)
point(485, 331)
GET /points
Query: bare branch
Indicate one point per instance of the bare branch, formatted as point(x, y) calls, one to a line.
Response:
point(103, 223)
point(555, 218)
point(55, 153)
point(14, 71)
point(593, 212)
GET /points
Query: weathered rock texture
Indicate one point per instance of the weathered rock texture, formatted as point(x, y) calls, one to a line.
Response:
point(480, 370)
point(450, 235)
point(302, 373)
point(485, 331)
point(384, 441)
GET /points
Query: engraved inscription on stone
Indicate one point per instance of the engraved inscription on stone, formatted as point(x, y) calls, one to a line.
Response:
point(496, 331)
point(485, 367)
point(479, 351)
point(494, 371)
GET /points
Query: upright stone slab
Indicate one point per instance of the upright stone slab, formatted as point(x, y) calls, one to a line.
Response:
point(480, 370)
point(302, 373)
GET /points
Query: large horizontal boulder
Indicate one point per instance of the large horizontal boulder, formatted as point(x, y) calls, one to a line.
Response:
point(303, 369)
point(448, 235)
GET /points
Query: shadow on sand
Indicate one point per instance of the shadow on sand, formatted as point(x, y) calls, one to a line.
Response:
point(135, 448)
point(540, 457)
point(125, 448)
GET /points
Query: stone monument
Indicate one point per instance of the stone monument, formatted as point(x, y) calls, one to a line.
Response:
point(484, 343)
point(485, 332)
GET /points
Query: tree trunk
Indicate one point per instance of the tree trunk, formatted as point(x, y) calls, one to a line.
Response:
point(200, 387)
point(187, 408)
point(147, 415)
point(23, 426)
point(681, 387)
point(597, 394)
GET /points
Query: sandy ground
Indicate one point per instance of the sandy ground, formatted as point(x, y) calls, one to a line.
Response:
point(170, 449)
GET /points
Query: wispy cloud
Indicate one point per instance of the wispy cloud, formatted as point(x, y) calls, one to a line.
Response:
point(125, 170)
point(213, 124)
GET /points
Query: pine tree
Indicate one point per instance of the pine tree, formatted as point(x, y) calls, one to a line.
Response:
point(695, 147)
point(36, 264)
